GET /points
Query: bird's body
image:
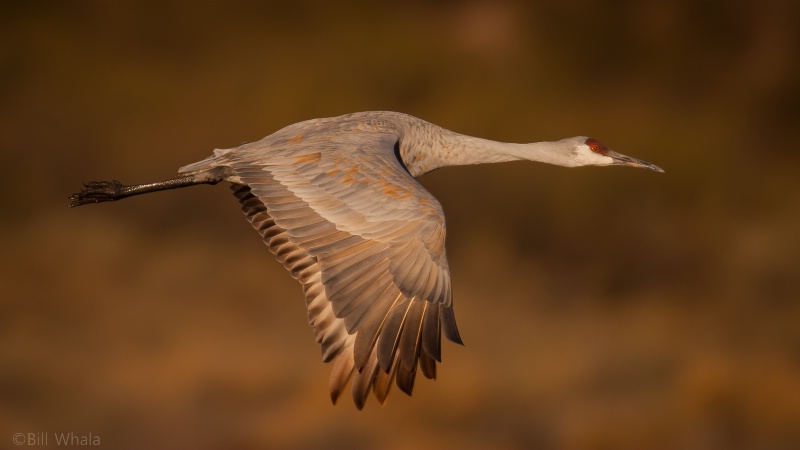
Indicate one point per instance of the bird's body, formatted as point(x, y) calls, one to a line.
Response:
point(335, 199)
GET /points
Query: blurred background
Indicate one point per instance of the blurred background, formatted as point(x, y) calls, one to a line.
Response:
point(602, 308)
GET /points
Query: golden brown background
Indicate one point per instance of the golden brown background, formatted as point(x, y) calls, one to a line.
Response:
point(602, 308)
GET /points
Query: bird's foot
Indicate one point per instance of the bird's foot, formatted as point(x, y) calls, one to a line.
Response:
point(96, 192)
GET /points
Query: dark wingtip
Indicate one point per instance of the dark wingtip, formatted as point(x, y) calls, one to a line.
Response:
point(405, 379)
point(360, 401)
point(449, 326)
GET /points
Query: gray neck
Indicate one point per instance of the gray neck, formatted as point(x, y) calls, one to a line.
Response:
point(446, 148)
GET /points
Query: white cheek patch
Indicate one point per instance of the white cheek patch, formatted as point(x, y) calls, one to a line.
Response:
point(586, 157)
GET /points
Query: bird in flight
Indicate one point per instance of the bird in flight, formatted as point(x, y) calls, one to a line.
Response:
point(336, 201)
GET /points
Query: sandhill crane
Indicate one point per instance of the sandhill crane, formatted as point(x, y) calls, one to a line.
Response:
point(336, 201)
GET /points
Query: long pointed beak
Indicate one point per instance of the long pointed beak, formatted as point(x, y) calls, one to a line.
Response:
point(623, 160)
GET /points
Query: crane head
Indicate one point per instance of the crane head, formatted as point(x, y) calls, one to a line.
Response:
point(589, 151)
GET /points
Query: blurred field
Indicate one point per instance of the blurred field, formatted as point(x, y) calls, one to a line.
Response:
point(602, 308)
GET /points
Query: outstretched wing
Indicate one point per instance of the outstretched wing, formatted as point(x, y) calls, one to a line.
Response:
point(366, 241)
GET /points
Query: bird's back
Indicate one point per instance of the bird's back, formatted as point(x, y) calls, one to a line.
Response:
point(406, 140)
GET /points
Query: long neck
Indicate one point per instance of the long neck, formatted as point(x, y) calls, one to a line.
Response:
point(444, 148)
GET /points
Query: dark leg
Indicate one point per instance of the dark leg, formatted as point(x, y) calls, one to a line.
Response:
point(106, 191)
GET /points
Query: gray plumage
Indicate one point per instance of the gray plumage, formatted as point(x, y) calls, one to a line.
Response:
point(336, 201)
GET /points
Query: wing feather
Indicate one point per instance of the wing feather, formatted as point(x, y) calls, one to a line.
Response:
point(390, 333)
point(369, 330)
point(408, 347)
point(341, 372)
point(428, 365)
point(431, 333)
point(362, 381)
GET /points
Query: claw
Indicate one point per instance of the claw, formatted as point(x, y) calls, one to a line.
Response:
point(96, 192)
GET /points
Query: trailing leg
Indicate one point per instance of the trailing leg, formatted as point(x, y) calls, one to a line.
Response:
point(106, 191)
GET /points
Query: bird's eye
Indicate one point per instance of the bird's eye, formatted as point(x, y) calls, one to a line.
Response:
point(596, 146)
